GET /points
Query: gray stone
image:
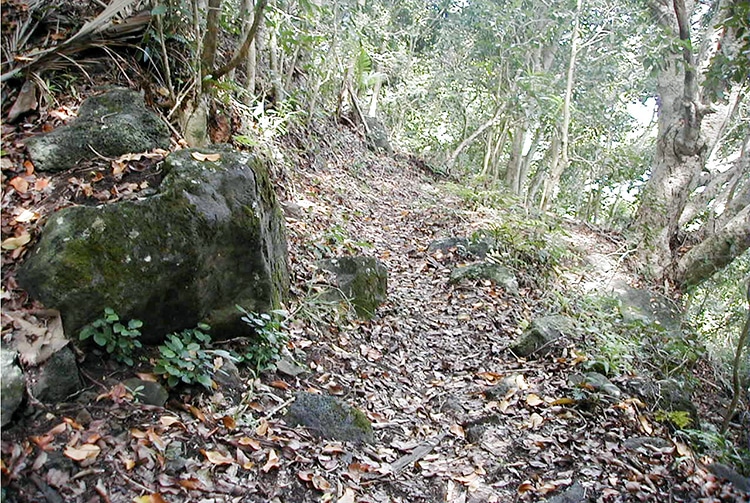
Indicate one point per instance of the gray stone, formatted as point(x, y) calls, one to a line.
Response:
point(595, 381)
point(362, 280)
point(725, 472)
point(111, 124)
point(377, 138)
point(501, 389)
point(289, 367)
point(643, 306)
point(147, 392)
point(12, 385)
point(57, 378)
point(498, 274)
point(457, 245)
point(648, 445)
point(575, 493)
point(665, 394)
point(328, 417)
point(212, 237)
point(537, 340)
point(227, 377)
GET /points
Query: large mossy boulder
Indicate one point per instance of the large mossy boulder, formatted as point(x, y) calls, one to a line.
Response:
point(110, 124)
point(211, 238)
point(362, 280)
point(328, 417)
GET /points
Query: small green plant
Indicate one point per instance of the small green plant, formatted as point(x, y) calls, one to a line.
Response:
point(269, 338)
point(680, 419)
point(118, 339)
point(187, 358)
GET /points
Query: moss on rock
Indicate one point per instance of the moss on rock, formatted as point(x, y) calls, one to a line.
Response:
point(211, 238)
point(328, 417)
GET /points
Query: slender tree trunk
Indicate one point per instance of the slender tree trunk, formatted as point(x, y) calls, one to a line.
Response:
point(273, 49)
point(251, 63)
point(553, 181)
point(468, 141)
point(208, 55)
point(373, 109)
point(513, 170)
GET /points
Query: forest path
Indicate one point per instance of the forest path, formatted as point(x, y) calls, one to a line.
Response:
point(424, 369)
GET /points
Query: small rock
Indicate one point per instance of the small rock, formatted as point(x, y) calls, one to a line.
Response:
point(362, 280)
point(725, 472)
point(147, 392)
point(57, 378)
point(501, 389)
point(289, 367)
point(573, 494)
point(596, 382)
point(648, 444)
point(329, 417)
point(498, 274)
point(13, 384)
point(537, 340)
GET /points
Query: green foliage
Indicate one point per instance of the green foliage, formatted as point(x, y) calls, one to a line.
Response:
point(269, 338)
point(118, 339)
point(680, 419)
point(187, 358)
point(721, 448)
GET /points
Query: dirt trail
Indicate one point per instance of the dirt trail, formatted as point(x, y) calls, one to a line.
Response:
point(422, 366)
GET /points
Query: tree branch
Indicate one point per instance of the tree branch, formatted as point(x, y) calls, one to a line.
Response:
point(241, 54)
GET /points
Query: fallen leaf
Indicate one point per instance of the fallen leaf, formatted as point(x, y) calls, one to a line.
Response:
point(41, 184)
point(272, 461)
point(37, 342)
point(333, 448)
point(16, 242)
point(26, 216)
point(280, 385)
point(82, 452)
point(249, 442)
point(347, 497)
point(490, 377)
point(535, 420)
point(457, 430)
point(525, 487)
point(217, 457)
point(262, 429)
point(534, 400)
point(682, 448)
point(190, 484)
point(229, 422)
point(320, 483)
point(205, 157)
point(197, 413)
point(150, 498)
point(647, 428)
point(305, 475)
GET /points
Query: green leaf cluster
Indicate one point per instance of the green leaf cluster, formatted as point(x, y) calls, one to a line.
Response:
point(118, 338)
point(186, 357)
point(269, 337)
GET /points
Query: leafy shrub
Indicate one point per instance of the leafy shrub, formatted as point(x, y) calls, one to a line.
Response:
point(117, 339)
point(269, 339)
point(187, 358)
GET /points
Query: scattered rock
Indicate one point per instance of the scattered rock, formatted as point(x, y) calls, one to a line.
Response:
point(501, 390)
point(575, 493)
point(666, 394)
point(213, 237)
point(147, 392)
point(643, 306)
point(476, 428)
point(287, 366)
point(648, 445)
point(227, 377)
point(595, 381)
point(450, 245)
point(362, 280)
point(725, 472)
point(328, 417)
point(500, 275)
point(12, 385)
point(377, 137)
point(536, 341)
point(56, 379)
point(110, 125)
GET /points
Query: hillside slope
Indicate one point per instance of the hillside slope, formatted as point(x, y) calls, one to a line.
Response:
point(457, 416)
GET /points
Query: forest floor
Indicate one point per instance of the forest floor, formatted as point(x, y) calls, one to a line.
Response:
point(422, 370)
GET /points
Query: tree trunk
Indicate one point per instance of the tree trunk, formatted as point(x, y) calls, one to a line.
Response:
point(468, 141)
point(208, 56)
point(680, 152)
point(251, 63)
point(513, 171)
point(553, 181)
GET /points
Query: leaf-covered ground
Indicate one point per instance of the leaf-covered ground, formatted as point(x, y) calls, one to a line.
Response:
point(425, 370)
